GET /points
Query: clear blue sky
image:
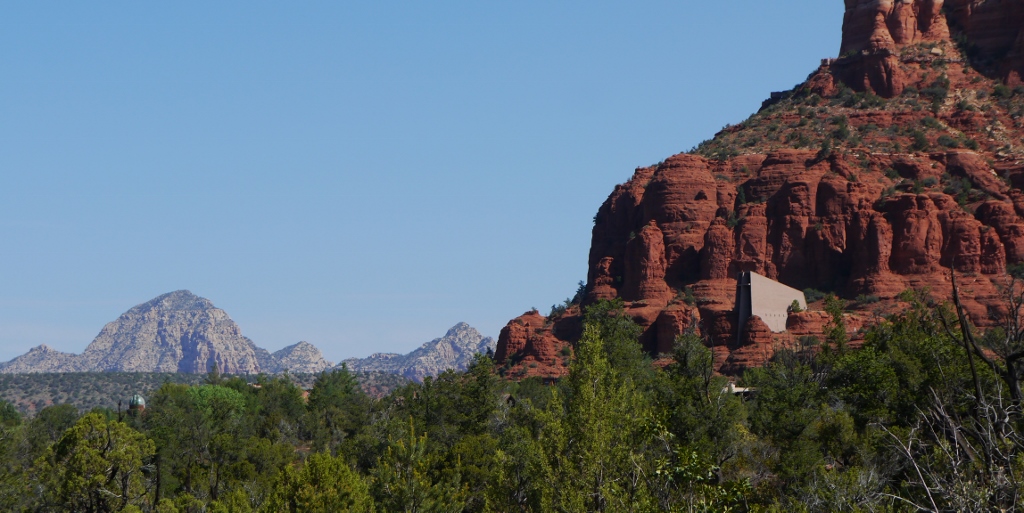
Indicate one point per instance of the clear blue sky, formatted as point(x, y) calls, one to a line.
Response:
point(358, 175)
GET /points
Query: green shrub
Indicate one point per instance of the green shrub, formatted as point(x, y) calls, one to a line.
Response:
point(687, 296)
point(826, 149)
point(948, 142)
point(937, 92)
point(920, 141)
point(558, 310)
point(958, 187)
point(871, 100)
point(581, 292)
point(732, 221)
point(9, 415)
point(842, 133)
point(813, 295)
point(1016, 270)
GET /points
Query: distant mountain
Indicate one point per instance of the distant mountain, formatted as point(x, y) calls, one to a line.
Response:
point(454, 350)
point(302, 357)
point(175, 332)
point(41, 358)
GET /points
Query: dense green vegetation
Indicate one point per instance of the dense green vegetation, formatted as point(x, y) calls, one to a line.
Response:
point(30, 393)
point(917, 419)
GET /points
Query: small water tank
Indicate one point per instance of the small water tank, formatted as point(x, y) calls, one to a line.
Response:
point(137, 402)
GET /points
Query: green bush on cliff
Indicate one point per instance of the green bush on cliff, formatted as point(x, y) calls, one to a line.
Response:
point(920, 141)
point(947, 141)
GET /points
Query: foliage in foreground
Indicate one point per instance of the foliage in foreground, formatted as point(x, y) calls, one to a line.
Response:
point(922, 417)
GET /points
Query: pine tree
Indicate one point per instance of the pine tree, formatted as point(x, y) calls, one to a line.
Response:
point(325, 484)
point(97, 466)
point(404, 481)
point(598, 467)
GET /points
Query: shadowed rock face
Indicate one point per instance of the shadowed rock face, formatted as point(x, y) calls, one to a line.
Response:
point(175, 332)
point(828, 189)
point(455, 350)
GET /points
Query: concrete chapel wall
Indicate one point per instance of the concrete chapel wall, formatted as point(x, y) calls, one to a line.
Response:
point(767, 299)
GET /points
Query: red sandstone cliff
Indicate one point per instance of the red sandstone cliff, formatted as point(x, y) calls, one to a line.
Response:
point(879, 35)
point(892, 165)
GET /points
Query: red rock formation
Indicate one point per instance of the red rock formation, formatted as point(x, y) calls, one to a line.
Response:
point(645, 267)
point(672, 321)
point(807, 323)
point(810, 228)
point(528, 344)
point(755, 348)
point(877, 33)
point(828, 189)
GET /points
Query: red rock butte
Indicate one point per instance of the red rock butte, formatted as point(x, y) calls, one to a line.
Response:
point(890, 167)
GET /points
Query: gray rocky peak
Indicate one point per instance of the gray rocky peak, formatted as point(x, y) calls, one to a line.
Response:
point(455, 350)
point(174, 332)
point(302, 357)
point(177, 300)
point(41, 358)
